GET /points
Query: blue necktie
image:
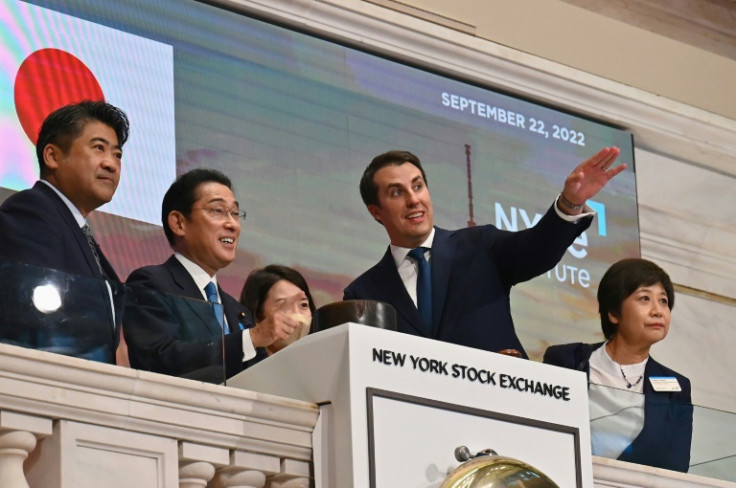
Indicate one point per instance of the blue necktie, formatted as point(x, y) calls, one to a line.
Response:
point(424, 287)
point(211, 291)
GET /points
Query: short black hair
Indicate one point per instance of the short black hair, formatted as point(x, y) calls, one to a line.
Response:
point(621, 280)
point(67, 123)
point(259, 283)
point(368, 187)
point(182, 194)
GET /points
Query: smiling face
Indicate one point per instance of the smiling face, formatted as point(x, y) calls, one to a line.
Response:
point(89, 173)
point(404, 204)
point(644, 318)
point(208, 239)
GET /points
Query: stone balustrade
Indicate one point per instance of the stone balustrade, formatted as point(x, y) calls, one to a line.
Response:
point(611, 473)
point(71, 423)
point(67, 422)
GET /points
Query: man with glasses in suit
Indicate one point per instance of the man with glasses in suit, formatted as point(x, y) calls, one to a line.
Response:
point(178, 320)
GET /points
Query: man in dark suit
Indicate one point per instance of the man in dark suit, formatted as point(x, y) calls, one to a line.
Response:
point(472, 270)
point(174, 316)
point(79, 151)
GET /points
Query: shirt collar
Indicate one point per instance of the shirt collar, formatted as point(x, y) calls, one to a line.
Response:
point(78, 217)
point(199, 275)
point(399, 253)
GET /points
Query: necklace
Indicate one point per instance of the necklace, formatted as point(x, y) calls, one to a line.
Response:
point(629, 385)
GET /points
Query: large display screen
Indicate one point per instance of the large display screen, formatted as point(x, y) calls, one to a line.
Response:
point(294, 119)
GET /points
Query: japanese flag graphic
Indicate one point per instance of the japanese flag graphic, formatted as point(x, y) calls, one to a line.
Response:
point(49, 59)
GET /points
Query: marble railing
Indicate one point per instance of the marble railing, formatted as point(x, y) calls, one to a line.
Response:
point(72, 423)
point(610, 473)
point(68, 422)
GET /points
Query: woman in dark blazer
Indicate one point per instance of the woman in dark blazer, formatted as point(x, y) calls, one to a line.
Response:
point(635, 298)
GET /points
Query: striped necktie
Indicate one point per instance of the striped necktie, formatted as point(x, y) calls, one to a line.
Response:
point(93, 247)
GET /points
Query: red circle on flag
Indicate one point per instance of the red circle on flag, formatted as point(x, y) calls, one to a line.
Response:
point(48, 79)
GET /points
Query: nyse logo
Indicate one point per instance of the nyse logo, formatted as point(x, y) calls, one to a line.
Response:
point(564, 273)
point(510, 221)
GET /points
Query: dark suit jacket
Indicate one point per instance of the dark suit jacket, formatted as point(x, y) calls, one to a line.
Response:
point(473, 270)
point(664, 441)
point(38, 229)
point(170, 329)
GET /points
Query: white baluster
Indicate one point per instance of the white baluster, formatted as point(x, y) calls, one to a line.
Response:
point(14, 448)
point(288, 483)
point(230, 477)
point(292, 474)
point(198, 463)
point(195, 474)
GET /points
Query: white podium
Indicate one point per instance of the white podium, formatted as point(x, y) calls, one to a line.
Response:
point(393, 407)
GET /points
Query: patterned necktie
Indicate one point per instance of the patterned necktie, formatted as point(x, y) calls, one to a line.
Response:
point(93, 247)
point(211, 291)
point(424, 286)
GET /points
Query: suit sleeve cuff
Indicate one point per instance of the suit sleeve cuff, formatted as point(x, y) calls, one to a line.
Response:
point(249, 350)
point(587, 211)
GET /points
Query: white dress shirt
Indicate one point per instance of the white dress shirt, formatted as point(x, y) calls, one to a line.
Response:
point(201, 278)
point(616, 412)
point(81, 222)
point(408, 267)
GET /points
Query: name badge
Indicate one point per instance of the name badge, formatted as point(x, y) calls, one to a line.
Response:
point(665, 383)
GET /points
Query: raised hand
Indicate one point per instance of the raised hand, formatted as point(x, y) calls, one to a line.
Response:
point(589, 177)
point(296, 307)
point(275, 327)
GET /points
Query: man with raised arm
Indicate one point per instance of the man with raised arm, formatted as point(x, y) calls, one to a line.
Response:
point(454, 285)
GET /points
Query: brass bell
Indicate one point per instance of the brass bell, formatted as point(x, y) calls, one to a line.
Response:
point(486, 469)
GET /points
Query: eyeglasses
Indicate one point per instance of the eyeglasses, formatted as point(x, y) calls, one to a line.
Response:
point(222, 213)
